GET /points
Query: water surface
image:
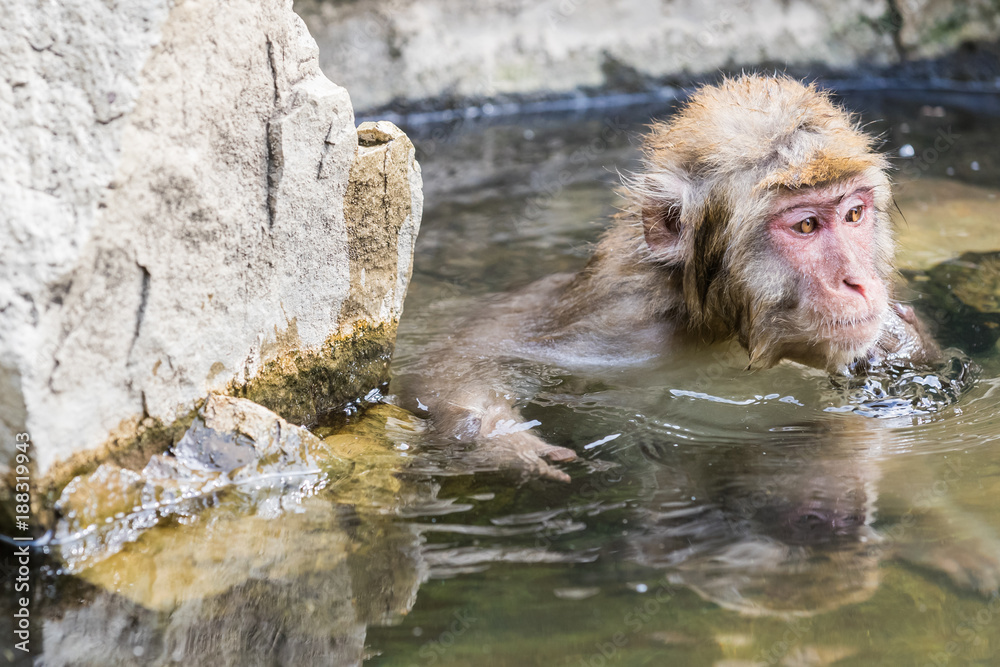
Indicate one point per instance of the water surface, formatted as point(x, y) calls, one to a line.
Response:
point(717, 516)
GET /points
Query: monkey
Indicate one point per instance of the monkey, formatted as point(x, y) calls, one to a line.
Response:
point(760, 215)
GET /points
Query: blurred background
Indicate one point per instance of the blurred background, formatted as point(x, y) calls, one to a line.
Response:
point(433, 54)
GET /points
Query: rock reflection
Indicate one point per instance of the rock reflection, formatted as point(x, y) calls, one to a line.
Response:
point(299, 588)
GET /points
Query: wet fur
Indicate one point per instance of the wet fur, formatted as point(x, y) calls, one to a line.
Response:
point(690, 247)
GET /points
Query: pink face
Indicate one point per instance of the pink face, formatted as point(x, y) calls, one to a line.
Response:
point(827, 237)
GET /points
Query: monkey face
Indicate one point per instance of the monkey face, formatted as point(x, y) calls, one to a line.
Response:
point(768, 208)
point(825, 238)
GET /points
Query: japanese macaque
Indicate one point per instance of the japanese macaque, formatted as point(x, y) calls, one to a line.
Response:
point(761, 215)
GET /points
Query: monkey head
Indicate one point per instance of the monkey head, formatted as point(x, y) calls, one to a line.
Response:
point(768, 207)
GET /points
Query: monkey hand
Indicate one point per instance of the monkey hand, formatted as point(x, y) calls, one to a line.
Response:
point(499, 438)
point(521, 451)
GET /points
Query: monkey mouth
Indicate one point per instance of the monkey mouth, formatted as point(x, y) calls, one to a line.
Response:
point(832, 342)
point(867, 320)
point(853, 332)
point(843, 332)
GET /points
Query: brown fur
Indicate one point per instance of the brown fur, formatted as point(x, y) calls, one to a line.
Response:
point(710, 173)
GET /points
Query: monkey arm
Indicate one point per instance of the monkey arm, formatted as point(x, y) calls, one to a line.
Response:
point(612, 312)
point(471, 402)
point(470, 384)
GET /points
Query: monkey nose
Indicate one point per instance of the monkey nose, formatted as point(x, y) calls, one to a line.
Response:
point(856, 285)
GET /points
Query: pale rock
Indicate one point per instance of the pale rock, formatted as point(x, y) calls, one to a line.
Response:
point(173, 178)
point(386, 50)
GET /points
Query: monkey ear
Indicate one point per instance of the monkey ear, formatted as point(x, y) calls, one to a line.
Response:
point(662, 195)
point(661, 224)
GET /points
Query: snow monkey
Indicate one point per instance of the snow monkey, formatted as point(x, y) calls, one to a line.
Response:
point(760, 214)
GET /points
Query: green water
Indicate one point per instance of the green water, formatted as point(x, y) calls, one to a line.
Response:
point(714, 517)
point(745, 519)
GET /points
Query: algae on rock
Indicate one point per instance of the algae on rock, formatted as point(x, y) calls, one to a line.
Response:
point(382, 215)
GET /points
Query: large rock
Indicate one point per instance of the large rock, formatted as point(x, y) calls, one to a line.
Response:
point(407, 50)
point(176, 180)
point(929, 28)
point(255, 539)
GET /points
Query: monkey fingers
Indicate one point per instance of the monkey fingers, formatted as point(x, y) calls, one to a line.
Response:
point(523, 452)
point(559, 454)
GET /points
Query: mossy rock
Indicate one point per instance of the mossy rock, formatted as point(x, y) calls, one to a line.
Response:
point(961, 300)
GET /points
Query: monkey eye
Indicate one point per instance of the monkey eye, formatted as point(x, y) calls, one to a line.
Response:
point(854, 214)
point(807, 226)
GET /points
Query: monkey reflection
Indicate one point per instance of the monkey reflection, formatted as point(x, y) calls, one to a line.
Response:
point(761, 215)
point(792, 526)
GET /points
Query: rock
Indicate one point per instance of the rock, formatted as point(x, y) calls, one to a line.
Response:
point(231, 442)
point(386, 51)
point(382, 210)
point(930, 28)
point(961, 299)
point(186, 210)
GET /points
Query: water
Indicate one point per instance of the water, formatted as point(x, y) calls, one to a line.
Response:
point(745, 517)
point(715, 516)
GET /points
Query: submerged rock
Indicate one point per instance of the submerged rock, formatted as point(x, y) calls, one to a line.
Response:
point(231, 442)
point(961, 299)
point(924, 240)
point(187, 211)
point(233, 448)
